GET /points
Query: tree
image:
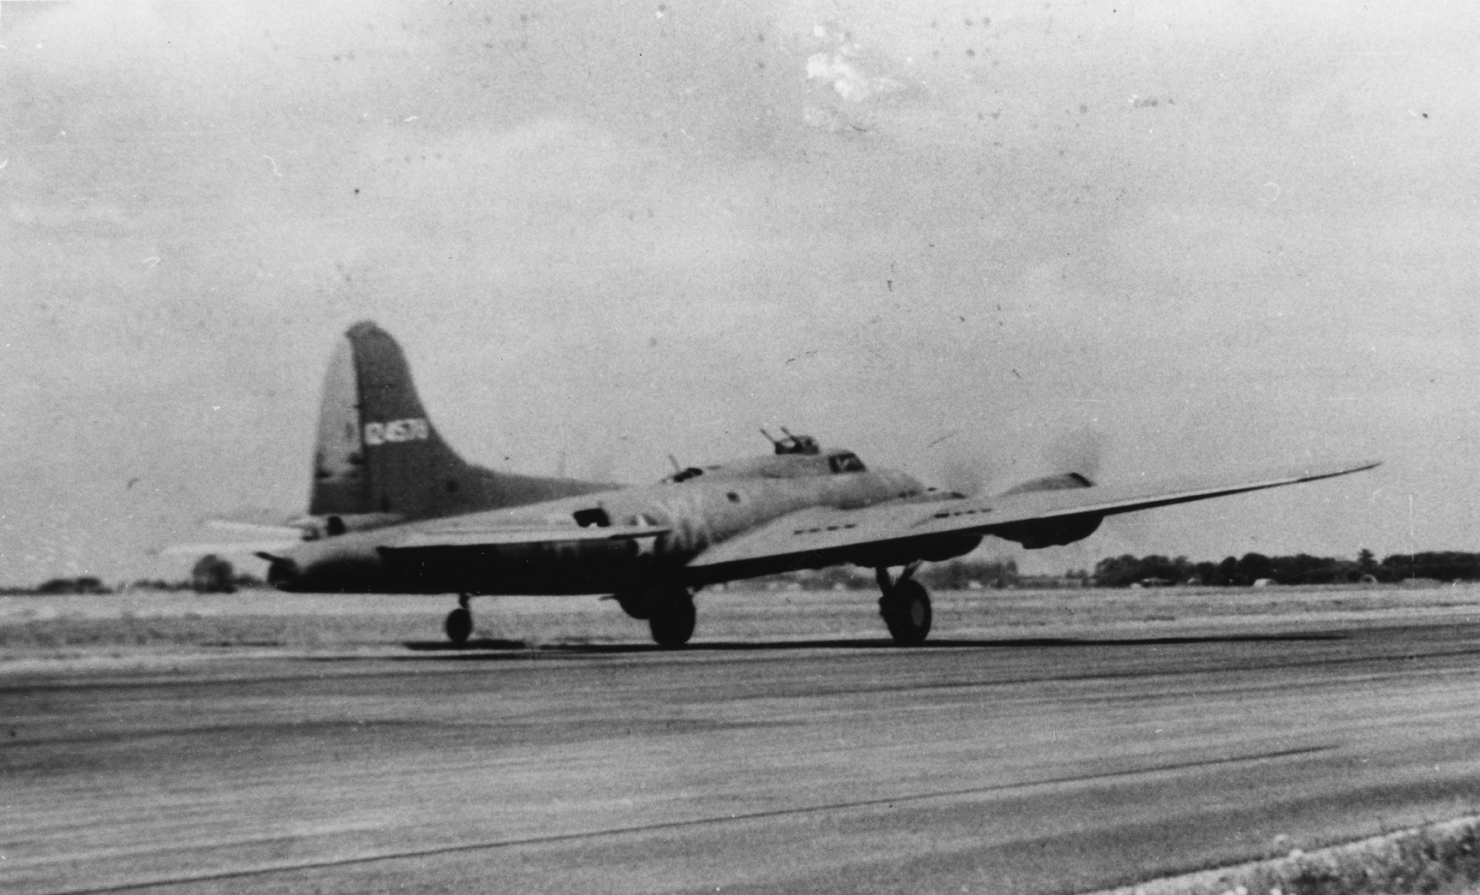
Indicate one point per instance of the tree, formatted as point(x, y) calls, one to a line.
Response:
point(958, 574)
point(1117, 571)
point(1366, 561)
point(1254, 566)
point(212, 575)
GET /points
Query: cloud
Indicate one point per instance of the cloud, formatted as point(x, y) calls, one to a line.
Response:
point(844, 66)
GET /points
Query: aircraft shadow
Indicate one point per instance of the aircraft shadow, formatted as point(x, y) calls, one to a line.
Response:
point(487, 648)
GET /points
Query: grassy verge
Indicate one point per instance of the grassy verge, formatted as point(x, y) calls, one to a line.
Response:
point(42, 635)
point(36, 627)
point(1436, 859)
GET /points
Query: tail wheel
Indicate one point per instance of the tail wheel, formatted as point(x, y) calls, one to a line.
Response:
point(459, 625)
point(672, 620)
point(906, 612)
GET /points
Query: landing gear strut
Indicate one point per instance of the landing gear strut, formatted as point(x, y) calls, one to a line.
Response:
point(459, 622)
point(905, 606)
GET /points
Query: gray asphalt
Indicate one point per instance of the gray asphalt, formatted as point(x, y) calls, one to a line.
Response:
point(985, 765)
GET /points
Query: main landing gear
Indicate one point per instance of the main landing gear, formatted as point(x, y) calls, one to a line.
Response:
point(672, 620)
point(669, 612)
point(459, 622)
point(905, 606)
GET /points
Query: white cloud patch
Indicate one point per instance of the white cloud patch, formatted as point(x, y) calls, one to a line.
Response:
point(845, 65)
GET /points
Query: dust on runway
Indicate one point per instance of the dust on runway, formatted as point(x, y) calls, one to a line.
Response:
point(1043, 743)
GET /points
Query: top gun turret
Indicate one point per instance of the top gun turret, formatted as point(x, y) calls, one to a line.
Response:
point(793, 444)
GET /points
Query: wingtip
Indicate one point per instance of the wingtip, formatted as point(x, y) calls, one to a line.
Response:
point(1329, 470)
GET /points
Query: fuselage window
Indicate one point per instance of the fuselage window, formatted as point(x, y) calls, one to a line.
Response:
point(595, 516)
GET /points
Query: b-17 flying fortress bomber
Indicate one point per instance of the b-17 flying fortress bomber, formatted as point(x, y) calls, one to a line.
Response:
point(394, 509)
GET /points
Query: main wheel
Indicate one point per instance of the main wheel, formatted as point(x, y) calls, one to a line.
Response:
point(906, 612)
point(459, 625)
point(672, 620)
point(637, 604)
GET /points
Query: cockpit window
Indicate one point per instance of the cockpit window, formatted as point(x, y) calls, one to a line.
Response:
point(845, 463)
point(683, 475)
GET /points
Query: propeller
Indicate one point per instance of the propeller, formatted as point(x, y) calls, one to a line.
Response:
point(966, 476)
point(1078, 450)
point(958, 468)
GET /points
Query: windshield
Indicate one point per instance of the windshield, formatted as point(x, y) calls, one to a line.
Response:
point(845, 463)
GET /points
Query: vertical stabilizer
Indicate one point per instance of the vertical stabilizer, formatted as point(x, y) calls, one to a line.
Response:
point(378, 453)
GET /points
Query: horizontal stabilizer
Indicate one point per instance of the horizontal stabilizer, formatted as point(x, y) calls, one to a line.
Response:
point(231, 548)
point(257, 528)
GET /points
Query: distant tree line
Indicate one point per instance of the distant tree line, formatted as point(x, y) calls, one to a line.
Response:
point(1302, 568)
point(85, 584)
point(956, 574)
point(210, 575)
point(962, 574)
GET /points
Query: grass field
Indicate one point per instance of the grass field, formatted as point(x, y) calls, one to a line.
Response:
point(143, 622)
point(1435, 859)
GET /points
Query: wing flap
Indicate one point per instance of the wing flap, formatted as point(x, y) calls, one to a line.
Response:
point(505, 537)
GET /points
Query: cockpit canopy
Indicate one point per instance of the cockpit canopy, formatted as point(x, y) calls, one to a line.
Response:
point(845, 461)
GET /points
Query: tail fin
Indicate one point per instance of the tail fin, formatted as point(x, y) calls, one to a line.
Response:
point(377, 453)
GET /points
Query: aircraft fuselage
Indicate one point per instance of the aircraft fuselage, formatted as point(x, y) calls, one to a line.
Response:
point(697, 512)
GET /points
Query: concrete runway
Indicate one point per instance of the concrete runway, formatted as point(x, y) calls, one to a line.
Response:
point(974, 764)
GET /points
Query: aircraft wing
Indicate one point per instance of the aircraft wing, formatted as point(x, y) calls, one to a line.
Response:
point(821, 536)
point(504, 536)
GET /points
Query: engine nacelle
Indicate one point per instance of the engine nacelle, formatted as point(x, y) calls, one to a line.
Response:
point(1051, 532)
point(932, 548)
point(1042, 533)
point(1052, 483)
point(942, 548)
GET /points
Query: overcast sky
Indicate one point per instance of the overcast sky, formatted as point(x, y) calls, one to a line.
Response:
point(976, 241)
